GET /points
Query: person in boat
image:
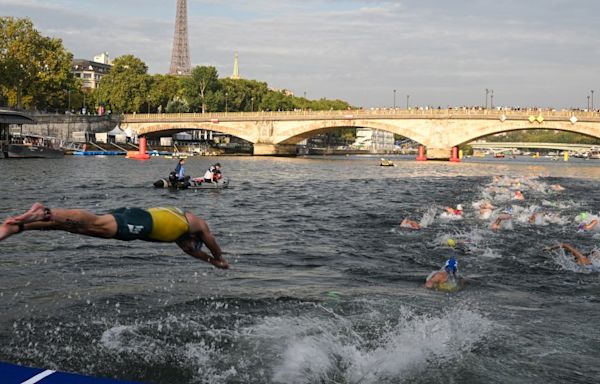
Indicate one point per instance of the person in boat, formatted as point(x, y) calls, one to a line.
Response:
point(458, 211)
point(159, 224)
point(447, 278)
point(213, 173)
point(580, 258)
point(407, 223)
point(180, 170)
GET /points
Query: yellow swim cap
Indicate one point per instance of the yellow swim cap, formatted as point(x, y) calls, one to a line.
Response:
point(451, 242)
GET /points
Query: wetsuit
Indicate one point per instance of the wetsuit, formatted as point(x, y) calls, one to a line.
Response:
point(163, 224)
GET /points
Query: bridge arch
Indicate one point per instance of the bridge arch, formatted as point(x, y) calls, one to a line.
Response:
point(174, 127)
point(587, 129)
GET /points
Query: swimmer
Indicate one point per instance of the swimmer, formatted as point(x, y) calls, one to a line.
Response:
point(519, 196)
point(445, 279)
point(485, 210)
point(161, 224)
point(580, 258)
point(587, 226)
point(537, 218)
point(501, 221)
point(407, 223)
point(458, 244)
point(557, 187)
point(455, 211)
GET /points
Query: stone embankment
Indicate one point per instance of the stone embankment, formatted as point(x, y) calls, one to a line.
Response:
point(63, 126)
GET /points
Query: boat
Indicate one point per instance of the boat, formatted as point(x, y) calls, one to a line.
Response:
point(192, 184)
point(25, 145)
point(386, 163)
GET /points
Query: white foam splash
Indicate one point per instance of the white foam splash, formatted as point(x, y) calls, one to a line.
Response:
point(326, 350)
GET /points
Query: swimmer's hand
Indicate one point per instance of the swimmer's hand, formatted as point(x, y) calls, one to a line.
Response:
point(219, 263)
point(553, 247)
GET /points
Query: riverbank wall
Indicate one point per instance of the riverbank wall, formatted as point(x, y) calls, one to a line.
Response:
point(63, 126)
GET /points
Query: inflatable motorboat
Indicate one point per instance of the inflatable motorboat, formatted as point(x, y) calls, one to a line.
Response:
point(192, 184)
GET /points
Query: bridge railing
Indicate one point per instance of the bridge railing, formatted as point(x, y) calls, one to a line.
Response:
point(458, 112)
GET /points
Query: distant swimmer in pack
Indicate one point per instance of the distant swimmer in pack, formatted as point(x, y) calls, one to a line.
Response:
point(580, 258)
point(458, 211)
point(446, 279)
point(160, 224)
point(587, 222)
point(411, 224)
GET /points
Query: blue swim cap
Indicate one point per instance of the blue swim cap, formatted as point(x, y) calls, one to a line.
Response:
point(451, 265)
point(507, 210)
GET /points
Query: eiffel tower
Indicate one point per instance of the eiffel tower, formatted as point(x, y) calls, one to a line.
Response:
point(180, 57)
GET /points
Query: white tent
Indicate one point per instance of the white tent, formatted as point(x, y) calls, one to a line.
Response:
point(116, 131)
point(183, 136)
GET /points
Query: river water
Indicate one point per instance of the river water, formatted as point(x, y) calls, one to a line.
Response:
point(324, 285)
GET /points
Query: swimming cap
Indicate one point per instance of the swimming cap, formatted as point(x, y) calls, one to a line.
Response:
point(507, 210)
point(459, 207)
point(451, 265)
point(451, 242)
point(583, 216)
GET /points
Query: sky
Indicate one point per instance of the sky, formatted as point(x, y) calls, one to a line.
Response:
point(542, 53)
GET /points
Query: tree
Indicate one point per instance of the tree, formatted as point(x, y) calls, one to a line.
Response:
point(276, 101)
point(163, 89)
point(125, 88)
point(200, 86)
point(244, 95)
point(35, 71)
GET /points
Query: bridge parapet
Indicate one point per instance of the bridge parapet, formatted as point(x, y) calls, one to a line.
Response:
point(452, 113)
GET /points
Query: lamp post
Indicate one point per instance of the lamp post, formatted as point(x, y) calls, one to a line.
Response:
point(588, 97)
point(252, 105)
point(491, 98)
point(407, 99)
point(225, 102)
point(394, 99)
point(487, 91)
point(83, 109)
point(592, 91)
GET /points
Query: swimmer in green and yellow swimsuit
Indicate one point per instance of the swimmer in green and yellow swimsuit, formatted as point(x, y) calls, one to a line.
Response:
point(160, 224)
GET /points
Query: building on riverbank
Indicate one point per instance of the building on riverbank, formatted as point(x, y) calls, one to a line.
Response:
point(91, 71)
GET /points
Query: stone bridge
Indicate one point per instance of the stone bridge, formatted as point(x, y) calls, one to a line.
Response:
point(438, 130)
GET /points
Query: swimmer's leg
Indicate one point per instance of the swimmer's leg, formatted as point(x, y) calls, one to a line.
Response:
point(70, 220)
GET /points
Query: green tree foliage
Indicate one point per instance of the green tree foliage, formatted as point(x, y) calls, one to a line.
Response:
point(35, 71)
point(164, 89)
point(200, 89)
point(276, 101)
point(240, 93)
point(126, 86)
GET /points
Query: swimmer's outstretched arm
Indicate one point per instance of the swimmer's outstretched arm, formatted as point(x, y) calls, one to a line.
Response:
point(200, 228)
point(580, 258)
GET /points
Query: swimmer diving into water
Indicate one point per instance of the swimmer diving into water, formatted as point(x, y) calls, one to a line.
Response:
point(160, 224)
